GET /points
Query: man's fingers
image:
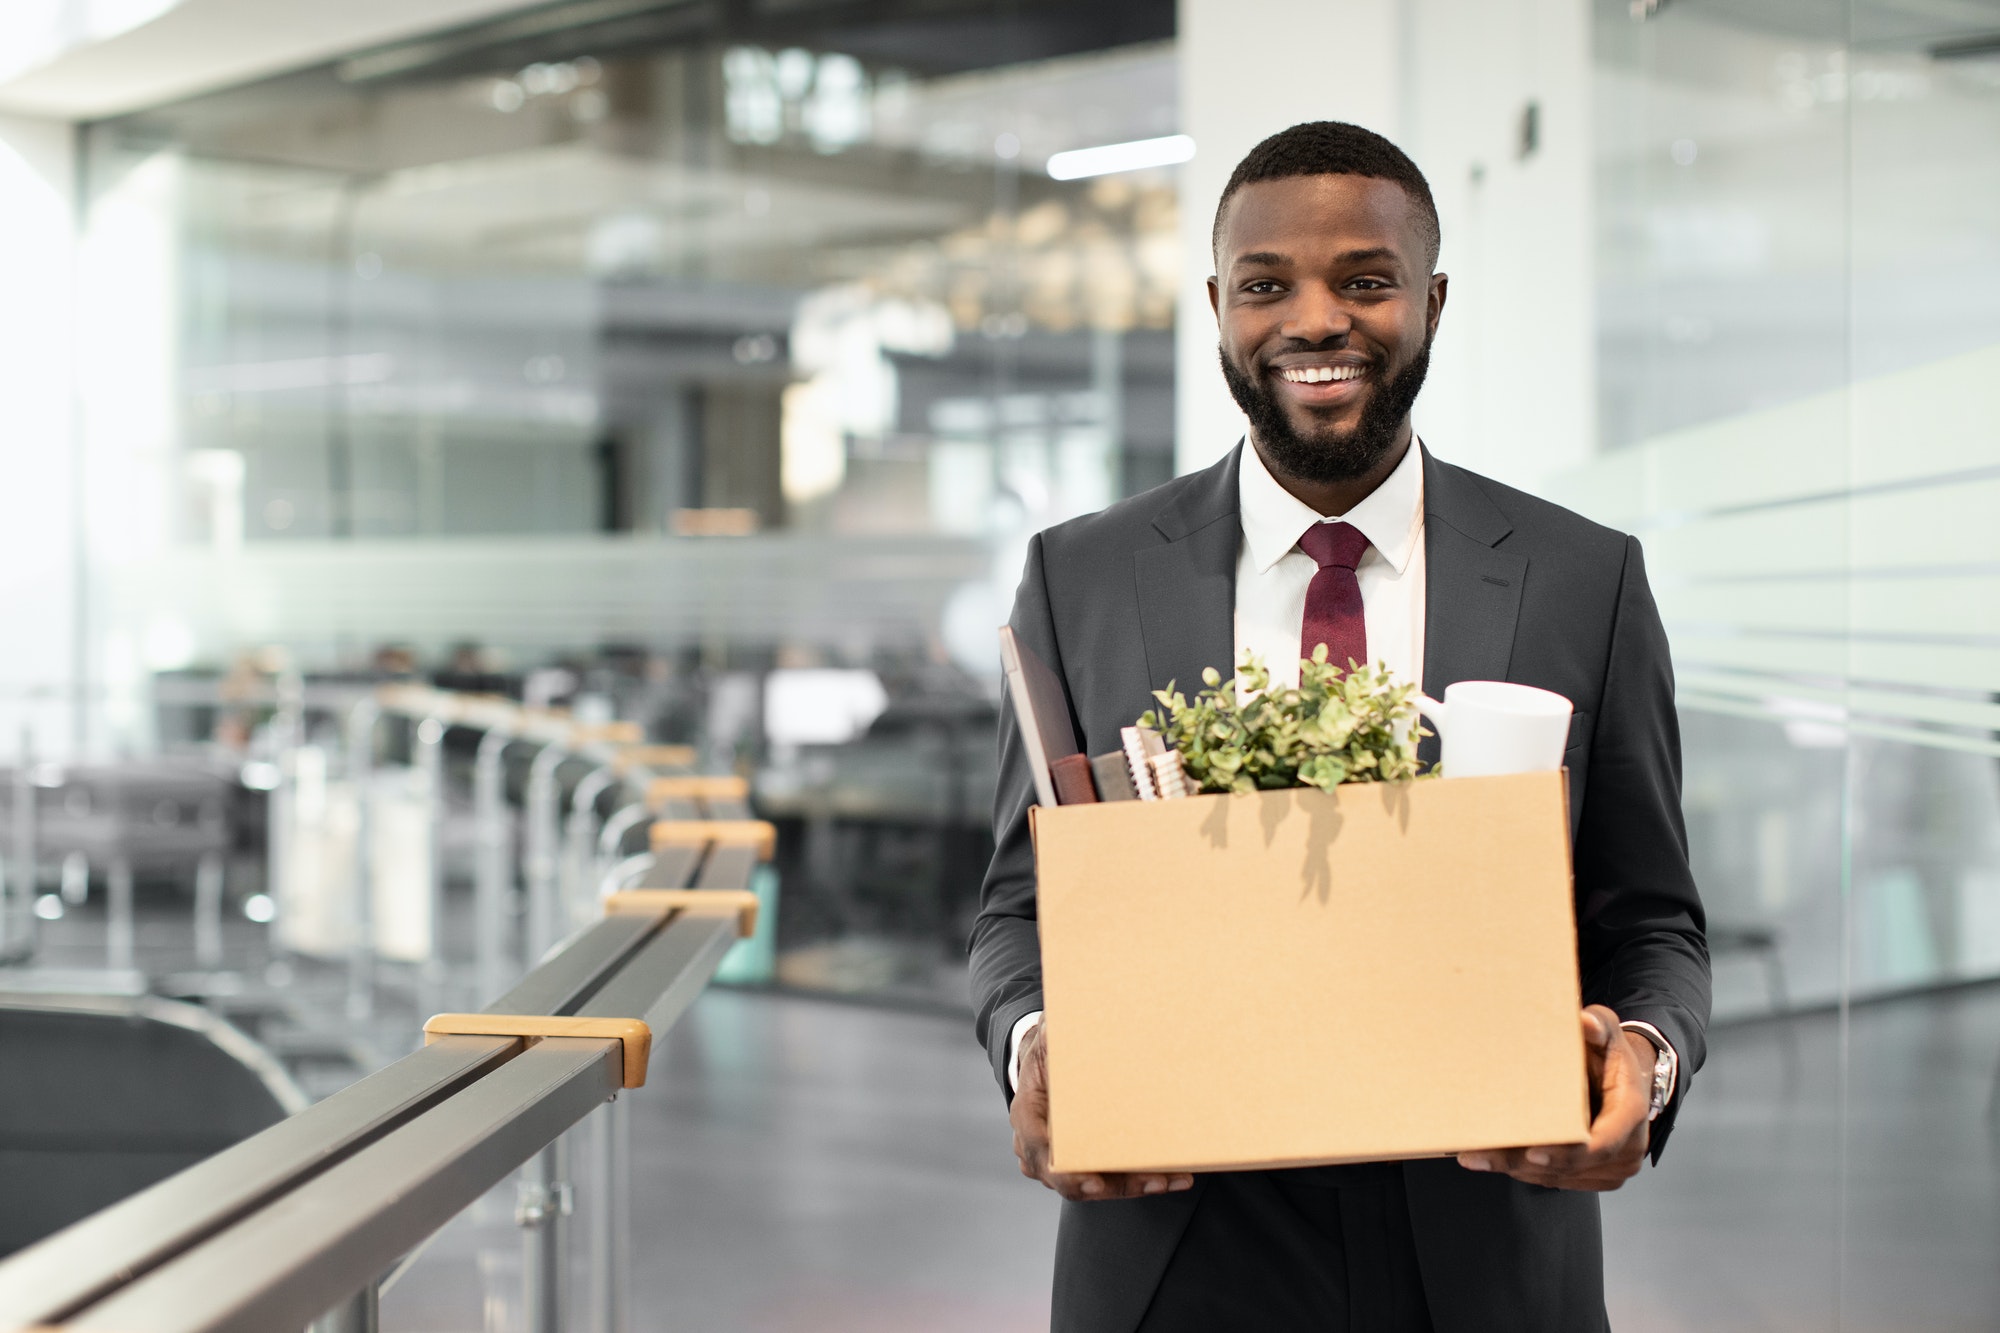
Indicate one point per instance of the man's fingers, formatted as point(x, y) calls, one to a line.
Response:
point(1526, 1161)
point(1081, 1185)
point(1608, 1177)
point(1088, 1186)
point(1074, 1187)
point(1596, 1177)
point(1607, 1161)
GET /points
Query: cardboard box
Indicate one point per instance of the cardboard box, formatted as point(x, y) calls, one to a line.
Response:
point(1297, 977)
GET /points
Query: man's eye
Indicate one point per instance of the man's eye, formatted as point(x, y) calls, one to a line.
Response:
point(1368, 284)
point(1262, 287)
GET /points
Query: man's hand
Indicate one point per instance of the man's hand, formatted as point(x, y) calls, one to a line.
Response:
point(1030, 1118)
point(1621, 1093)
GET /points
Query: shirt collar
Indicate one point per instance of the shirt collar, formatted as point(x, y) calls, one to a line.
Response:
point(1391, 517)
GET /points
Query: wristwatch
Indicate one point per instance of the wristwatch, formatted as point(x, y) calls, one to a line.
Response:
point(1663, 1079)
point(1665, 1063)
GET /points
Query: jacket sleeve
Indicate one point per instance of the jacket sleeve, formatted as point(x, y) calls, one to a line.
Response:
point(1006, 951)
point(1643, 949)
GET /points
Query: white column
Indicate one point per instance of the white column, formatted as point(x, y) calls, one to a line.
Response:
point(38, 531)
point(1511, 388)
point(133, 473)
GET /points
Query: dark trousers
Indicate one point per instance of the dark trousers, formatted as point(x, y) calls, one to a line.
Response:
point(1325, 1249)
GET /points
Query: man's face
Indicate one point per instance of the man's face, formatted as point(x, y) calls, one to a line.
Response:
point(1327, 307)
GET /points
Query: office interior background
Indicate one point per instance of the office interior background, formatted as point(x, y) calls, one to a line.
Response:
point(706, 366)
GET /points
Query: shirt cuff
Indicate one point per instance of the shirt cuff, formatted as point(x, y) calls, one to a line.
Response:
point(1652, 1034)
point(1021, 1026)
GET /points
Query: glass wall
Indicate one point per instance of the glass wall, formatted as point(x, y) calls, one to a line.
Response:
point(1799, 337)
point(713, 382)
point(1799, 319)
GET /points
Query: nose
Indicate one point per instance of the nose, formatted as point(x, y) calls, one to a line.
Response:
point(1317, 316)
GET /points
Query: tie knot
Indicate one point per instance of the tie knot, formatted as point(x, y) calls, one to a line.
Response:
point(1336, 545)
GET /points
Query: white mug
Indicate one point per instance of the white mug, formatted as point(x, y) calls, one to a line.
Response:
point(1491, 727)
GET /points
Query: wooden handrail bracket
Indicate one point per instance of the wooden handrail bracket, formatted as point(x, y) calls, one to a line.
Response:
point(740, 903)
point(697, 787)
point(607, 733)
point(631, 1033)
point(757, 833)
point(655, 756)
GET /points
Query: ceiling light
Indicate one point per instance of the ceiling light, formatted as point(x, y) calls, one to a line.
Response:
point(1137, 155)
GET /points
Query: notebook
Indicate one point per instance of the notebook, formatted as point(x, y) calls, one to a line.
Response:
point(1041, 710)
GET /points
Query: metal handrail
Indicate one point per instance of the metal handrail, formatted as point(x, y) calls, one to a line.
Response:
point(282, 1227)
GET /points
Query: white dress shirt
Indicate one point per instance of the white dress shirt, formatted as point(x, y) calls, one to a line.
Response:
point(1272, 575)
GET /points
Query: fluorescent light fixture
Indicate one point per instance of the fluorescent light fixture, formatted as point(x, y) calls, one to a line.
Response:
point(1172, 150)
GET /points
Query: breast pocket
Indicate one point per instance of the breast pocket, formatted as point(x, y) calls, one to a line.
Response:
point(1576, 758)
point(1579, 736)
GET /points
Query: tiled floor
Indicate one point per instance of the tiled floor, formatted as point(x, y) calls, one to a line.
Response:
point(801, 1165)
point(1775, 1211)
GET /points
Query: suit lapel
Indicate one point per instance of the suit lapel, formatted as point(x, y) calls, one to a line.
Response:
point(1472, 591)
point(1187, 586)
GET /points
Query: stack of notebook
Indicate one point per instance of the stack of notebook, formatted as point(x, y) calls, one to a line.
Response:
point(1142, 769)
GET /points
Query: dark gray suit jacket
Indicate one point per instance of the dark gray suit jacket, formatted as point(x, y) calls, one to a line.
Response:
point(1122, 601)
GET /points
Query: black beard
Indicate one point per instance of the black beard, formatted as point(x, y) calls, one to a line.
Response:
point(1328, 455)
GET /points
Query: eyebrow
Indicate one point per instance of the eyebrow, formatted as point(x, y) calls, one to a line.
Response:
point(1272, 259)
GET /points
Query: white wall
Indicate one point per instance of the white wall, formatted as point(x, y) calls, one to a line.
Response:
point(1512, 391)
point(37, 519)
point(1511, 385)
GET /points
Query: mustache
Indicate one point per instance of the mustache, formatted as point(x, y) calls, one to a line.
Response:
point(1371, 364)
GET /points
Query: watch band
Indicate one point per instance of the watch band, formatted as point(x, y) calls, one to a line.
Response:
point(1666, 1065)
point(1663, 1081)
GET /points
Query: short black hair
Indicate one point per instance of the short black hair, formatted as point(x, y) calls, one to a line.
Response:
point(1332, 148)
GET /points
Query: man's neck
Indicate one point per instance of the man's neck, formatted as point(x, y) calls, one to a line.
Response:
point(1333, 498)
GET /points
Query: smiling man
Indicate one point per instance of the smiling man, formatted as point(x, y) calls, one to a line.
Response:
point(1333, 524)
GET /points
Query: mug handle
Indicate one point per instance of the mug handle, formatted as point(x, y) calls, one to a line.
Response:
point(1432, 710)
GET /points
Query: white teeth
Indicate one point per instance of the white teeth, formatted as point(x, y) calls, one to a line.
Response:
point(1320, 374)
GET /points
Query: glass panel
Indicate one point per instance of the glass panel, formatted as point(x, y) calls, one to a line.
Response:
point(1925, 214)
point(1798, 332)
point(1723, 416)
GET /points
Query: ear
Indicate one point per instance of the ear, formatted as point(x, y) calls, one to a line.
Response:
point(1434, 304)
point(1215, 300)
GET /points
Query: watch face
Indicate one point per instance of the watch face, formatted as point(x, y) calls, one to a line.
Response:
point(1662, 1066)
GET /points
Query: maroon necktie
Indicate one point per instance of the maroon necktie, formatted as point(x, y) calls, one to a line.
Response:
point(1333, 599)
